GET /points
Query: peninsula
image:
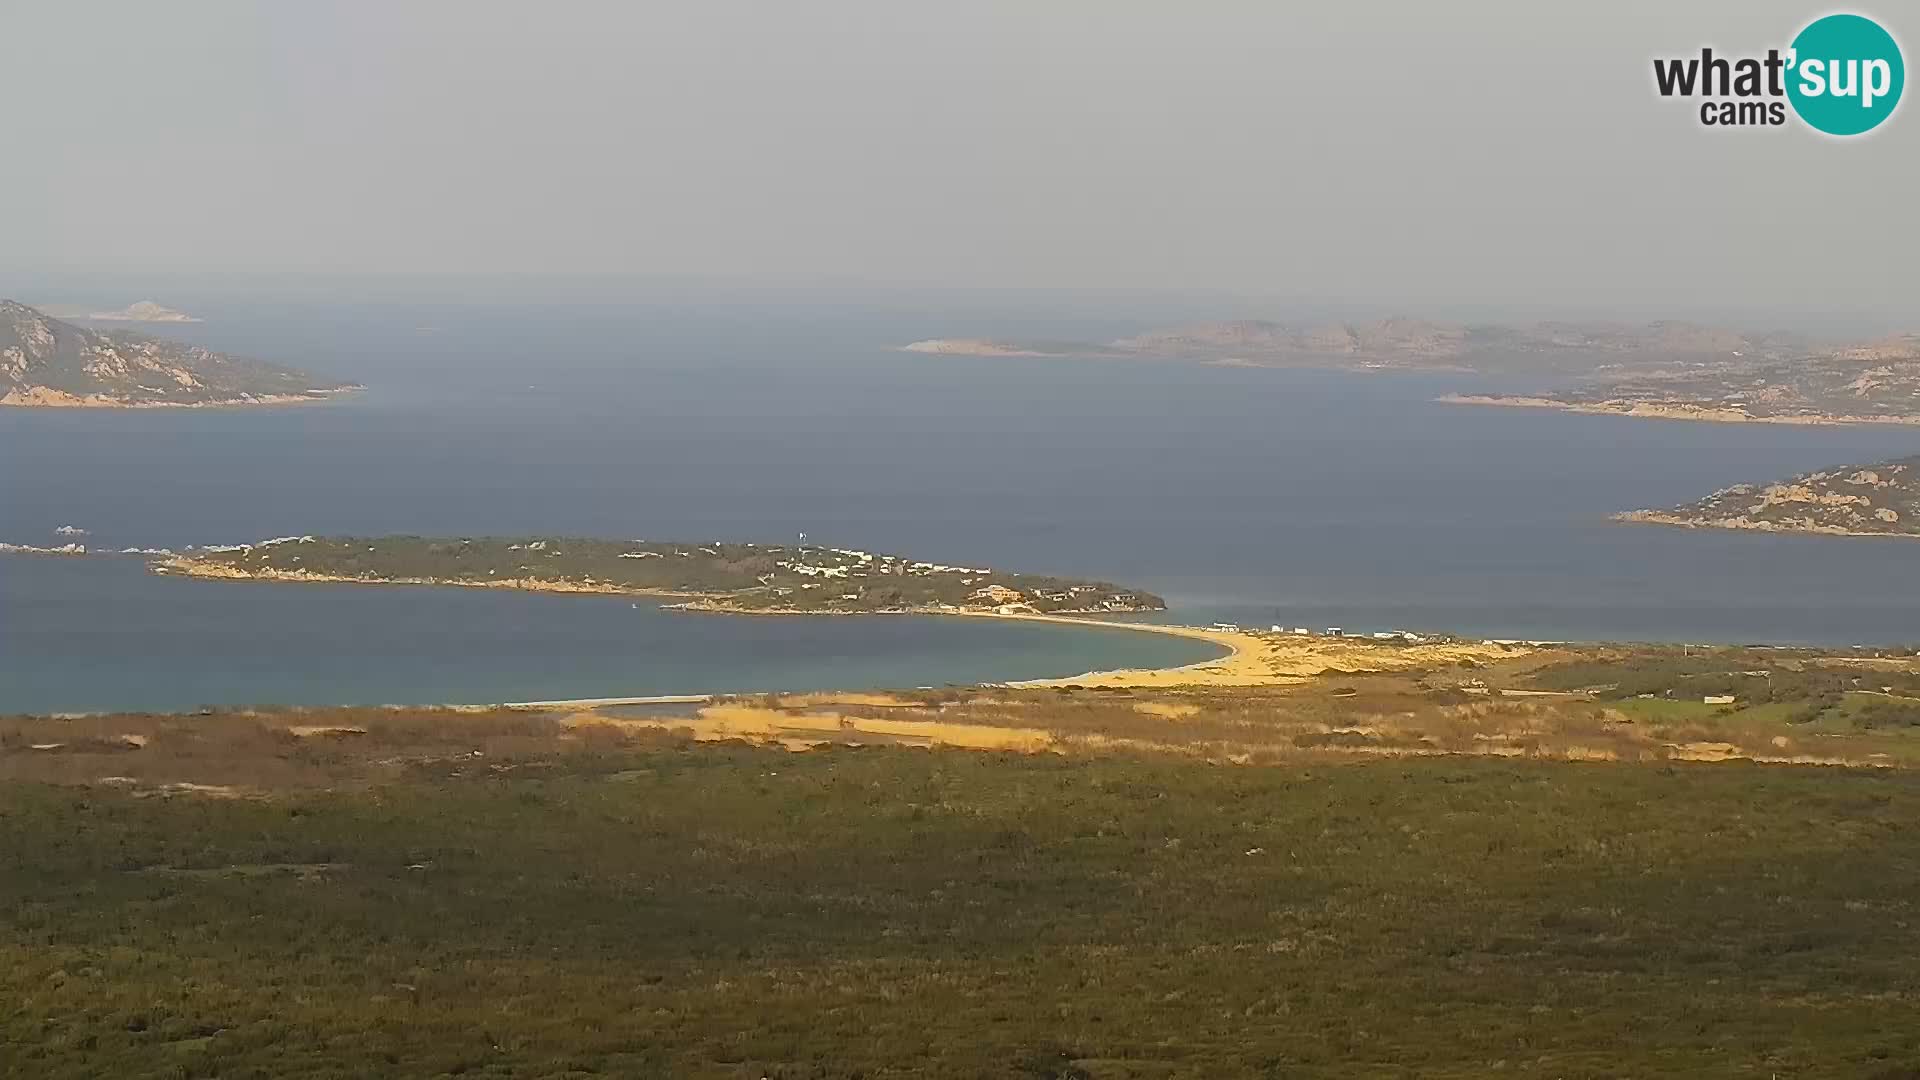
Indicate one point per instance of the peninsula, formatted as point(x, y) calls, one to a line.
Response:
point(49, 363)
point(744, 578)
point(1882, 499)
point(1669, 370)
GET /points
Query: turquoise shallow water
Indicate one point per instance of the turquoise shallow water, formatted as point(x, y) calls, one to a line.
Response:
point(107, 635)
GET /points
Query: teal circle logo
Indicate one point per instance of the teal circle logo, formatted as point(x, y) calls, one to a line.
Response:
point(1845, 74)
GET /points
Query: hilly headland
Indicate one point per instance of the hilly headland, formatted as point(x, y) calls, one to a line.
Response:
point(1881, 499)
point(49, 363)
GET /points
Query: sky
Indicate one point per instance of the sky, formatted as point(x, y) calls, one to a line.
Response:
point(1416, 155)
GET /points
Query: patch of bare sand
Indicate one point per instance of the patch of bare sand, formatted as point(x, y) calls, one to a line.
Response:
point(306, 731)
point(1706, 751)
point(1724, 751)
point(1168, 710)
point(800, 730)
point(1272, 659)
point(211, 791)
point(814, 700)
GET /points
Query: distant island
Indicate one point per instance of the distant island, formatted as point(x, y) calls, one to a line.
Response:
point(49, 363)
point(973, 347)
point(143, 311)
point(744, 578)
point(1882, 499)
point(1668, 370)
point(1400, 343)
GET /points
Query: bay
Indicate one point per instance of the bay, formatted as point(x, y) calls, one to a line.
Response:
point(1294, 497)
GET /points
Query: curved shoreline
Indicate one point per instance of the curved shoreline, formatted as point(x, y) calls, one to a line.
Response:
point(1683, 521)
point(1656, 411)
point(1244, 658)
point(1236, 645)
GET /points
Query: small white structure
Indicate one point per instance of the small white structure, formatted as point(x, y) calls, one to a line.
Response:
point(1717, 699)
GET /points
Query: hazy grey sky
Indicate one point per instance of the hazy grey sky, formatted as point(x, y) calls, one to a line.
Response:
point(1409, 152)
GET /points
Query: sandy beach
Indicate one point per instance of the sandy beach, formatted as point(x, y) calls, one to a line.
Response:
point(1264, 659)
point(1252, 658)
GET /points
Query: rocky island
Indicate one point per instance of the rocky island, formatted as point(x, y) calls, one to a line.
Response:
point(143, 311)
point(1855, 500)
point(49, 363)
point(746, 578)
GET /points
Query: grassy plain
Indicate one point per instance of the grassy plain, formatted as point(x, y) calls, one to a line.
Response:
point(1480, 868)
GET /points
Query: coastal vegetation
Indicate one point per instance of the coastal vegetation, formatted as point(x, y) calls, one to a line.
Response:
point(1427, 860)
point(428, 893)
point(717, 577)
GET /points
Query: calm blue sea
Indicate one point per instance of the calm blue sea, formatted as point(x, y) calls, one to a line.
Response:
point(1304, 498)
point(121, 638)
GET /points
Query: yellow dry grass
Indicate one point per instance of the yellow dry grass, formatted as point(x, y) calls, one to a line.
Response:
point(819, 699)
point(1169, 710)
point(1276, 659)
point(799, 730)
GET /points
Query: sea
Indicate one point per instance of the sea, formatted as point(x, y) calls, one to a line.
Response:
point(1259, 497)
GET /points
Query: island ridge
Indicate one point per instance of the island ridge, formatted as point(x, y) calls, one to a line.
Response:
point(745, 578)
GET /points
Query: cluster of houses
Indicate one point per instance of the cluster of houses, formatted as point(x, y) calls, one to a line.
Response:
point(1407, 636)
point(1080, 593)
point(864, 563)
point(997, 595)
point(1078, 598)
